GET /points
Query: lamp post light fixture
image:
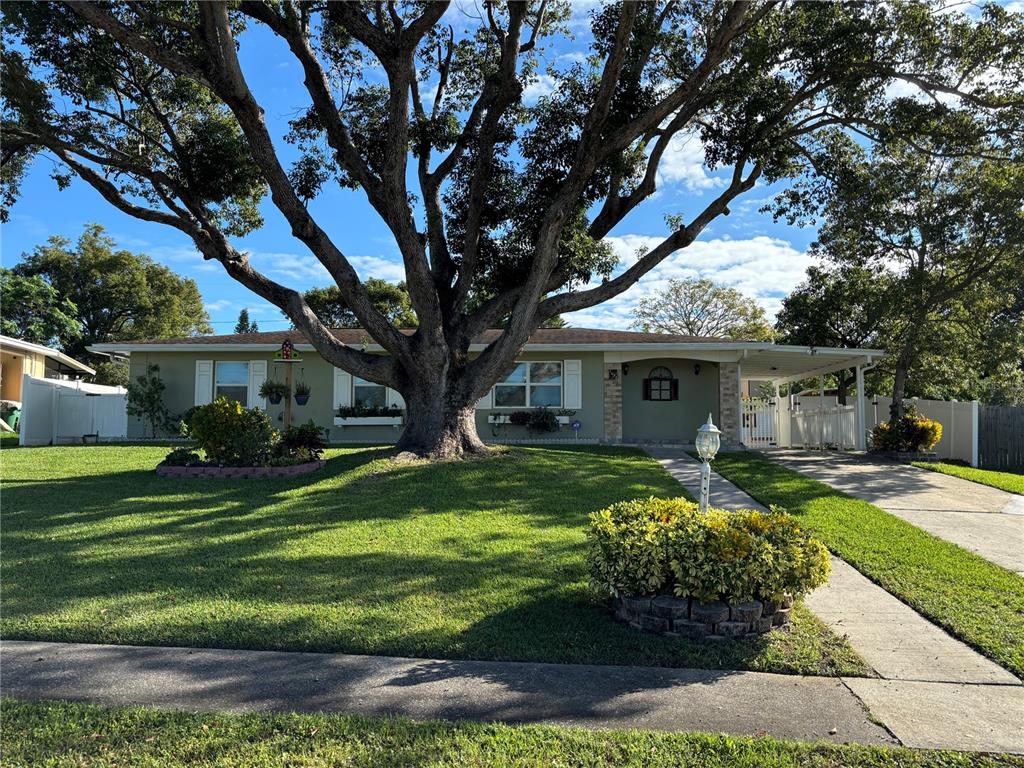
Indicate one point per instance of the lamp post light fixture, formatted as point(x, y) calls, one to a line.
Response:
point(707, 443)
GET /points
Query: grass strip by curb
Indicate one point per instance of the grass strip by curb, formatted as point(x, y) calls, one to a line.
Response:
point(975, 600)
point(57, 733)
point(1005, 481)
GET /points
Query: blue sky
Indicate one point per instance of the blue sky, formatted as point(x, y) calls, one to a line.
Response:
point(746, 249)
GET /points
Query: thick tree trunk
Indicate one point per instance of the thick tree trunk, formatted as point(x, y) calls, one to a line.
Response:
point(899, 384)
point(439, 424)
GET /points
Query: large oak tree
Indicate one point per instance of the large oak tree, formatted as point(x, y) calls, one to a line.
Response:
point(498, 207)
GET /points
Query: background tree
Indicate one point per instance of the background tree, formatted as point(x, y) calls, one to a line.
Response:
point(941, 221)
point(244, 325)
point(146, 400)
point(844, 306)
point(390, 300)
point(701, 308)
point(117, 294)
point(111, 373)
point(30, 309)
point(151, 106)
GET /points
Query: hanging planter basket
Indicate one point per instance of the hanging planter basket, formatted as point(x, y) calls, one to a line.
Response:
point(301, 399)
point(274, 399)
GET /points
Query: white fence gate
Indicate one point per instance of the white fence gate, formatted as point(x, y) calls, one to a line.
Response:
point(759, 423)
point(55, 411)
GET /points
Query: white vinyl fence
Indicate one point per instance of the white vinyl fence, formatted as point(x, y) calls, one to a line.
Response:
point(55, 412)
point(807, 421)
point(832, 426)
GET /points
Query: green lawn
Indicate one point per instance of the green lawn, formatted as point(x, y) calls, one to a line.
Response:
point(978, 601)
point(59, 734)
point(480, 559)
point(1007, 481)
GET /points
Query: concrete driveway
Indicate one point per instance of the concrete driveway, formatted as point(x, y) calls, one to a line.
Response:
point(984, 520)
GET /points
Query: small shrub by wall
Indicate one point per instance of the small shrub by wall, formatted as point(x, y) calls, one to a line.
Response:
point(910, 434)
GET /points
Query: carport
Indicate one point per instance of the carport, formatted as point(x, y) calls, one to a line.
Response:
point(778, 421)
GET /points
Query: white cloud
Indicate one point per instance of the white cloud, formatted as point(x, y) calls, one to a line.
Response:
point(683, 162)
point(764, 268)
point(299, 271)
point(543, 85)
point(375, 266)
point(218, 306)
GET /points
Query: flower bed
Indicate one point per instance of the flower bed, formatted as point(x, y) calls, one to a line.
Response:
point(672, 569)
point(232, 441)
point(244, 473)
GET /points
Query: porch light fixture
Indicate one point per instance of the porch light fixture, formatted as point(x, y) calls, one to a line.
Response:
point(696, 369)
point(707, 443)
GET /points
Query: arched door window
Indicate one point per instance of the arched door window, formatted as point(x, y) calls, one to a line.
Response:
point(660, 384)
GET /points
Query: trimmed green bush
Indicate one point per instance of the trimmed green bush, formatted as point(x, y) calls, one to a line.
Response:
point(232, 435)
point(667, 546)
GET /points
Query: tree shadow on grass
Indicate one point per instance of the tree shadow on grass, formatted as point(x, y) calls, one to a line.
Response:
point(480, 560)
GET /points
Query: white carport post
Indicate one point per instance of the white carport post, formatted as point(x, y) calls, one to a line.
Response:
point(821, 412)
point(860, 440)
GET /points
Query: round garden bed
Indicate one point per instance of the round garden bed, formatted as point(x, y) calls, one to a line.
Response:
point(245, 473)
point(676, 570)
point(696, 620)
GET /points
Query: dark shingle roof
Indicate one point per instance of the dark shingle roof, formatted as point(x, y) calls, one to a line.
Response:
point(541, 336)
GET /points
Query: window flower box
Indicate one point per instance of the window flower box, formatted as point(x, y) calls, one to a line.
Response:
point(503, 418)
point(369, 421)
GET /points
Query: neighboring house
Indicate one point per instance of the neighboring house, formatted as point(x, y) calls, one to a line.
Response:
point(620, 386)
point(22, 358)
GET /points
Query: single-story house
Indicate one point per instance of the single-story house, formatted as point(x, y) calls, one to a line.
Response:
point(23, 358)
point(603, 385)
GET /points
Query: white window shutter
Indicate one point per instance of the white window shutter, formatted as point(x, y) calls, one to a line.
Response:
point(342, 388)
point(572, 375)
point(484, 403)
point(257, 375)
point(204, 382)
point(395, 399)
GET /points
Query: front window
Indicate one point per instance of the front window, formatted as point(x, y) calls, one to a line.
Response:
point(661, 385)
point(368, 394)
point(530, 385)
point(233, 382)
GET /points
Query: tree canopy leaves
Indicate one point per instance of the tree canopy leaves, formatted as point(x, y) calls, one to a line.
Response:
point(116, 294)
point(698, 307)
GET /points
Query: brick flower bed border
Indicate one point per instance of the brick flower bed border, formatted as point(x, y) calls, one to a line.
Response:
point(684, 617)
point(244, 473)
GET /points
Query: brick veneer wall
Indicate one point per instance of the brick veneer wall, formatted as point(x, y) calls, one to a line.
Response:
point(729, 402)
point(612, 402)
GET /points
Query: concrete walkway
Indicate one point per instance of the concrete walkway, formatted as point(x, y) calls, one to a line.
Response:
point(686, 470)
point(984, 520)
point(898, 642)
point(892, 637)
point(740, 703)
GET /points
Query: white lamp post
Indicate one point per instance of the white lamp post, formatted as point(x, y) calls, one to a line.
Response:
point(707, 443)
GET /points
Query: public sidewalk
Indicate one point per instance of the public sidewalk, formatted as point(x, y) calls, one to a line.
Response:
point(923, 715)
point(740, 703)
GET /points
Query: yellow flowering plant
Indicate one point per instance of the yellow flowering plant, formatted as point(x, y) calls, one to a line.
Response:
point(667, 546)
